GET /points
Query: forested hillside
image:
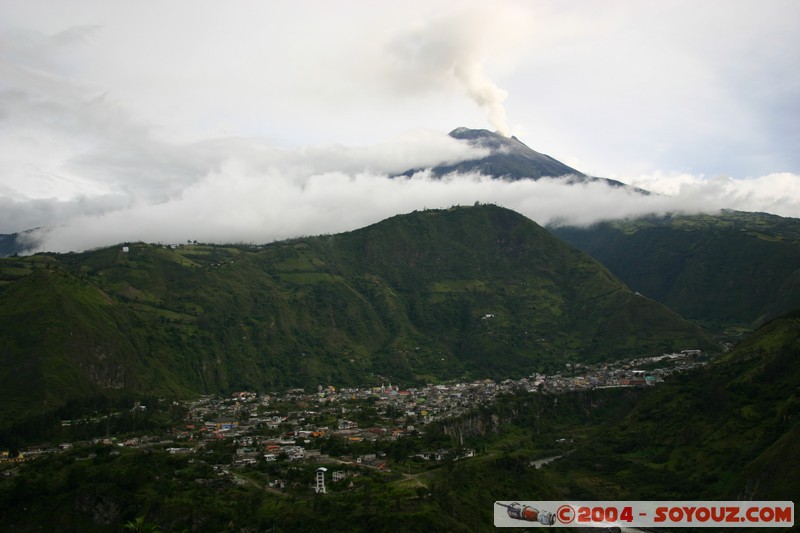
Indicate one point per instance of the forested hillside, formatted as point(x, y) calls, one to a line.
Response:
point(465, 292)
point(731, 270)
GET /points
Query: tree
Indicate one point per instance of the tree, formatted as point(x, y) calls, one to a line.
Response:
point(140, 526)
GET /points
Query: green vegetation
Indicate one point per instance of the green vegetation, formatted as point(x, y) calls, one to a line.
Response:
point(729, 272)
point(464, 292)
point(727, 431)
point(99, 490)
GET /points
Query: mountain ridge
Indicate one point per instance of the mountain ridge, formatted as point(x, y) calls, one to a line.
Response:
point(467, 292)
point(730, 270)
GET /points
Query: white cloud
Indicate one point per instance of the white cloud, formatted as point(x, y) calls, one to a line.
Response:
point(245, 203)
point(254, 121)
point(777, 193)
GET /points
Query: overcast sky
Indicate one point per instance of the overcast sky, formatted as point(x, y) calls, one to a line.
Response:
point(254, 121)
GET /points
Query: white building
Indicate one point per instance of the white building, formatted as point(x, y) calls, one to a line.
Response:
point(320, 480)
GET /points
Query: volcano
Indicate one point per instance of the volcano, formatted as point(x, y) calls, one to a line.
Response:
point(510, 159)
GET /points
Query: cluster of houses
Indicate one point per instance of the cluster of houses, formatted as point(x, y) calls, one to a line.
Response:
point(620, 374)
point(263, 432)
point(578, 377)
point(286, 426)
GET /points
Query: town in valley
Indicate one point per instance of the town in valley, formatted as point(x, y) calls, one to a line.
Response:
point(279, 439)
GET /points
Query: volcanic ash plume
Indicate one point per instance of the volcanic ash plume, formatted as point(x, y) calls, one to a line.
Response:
point(486, 94)
point(445, 54)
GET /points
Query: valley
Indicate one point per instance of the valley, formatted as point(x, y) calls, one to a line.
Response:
point(462, 293)
point(399, 267)
point(434, 363)
point(273, 443)
point(377, 412)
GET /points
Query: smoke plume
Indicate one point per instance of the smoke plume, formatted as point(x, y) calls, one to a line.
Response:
point(484, 93)
point(450, 53)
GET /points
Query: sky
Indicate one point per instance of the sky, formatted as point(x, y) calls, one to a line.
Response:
point(252, 121)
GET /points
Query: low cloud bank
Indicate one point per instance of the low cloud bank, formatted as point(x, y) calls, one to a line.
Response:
point(108, 138)
point(240, 202)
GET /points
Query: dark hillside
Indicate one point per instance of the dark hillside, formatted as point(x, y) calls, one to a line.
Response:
point(726, 432)
point(464, 292)
point(729, 270)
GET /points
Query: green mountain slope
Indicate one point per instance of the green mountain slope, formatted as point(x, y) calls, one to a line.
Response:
point(728, 431)
point(725, 433)
point(726, 270)
point(479, 291)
